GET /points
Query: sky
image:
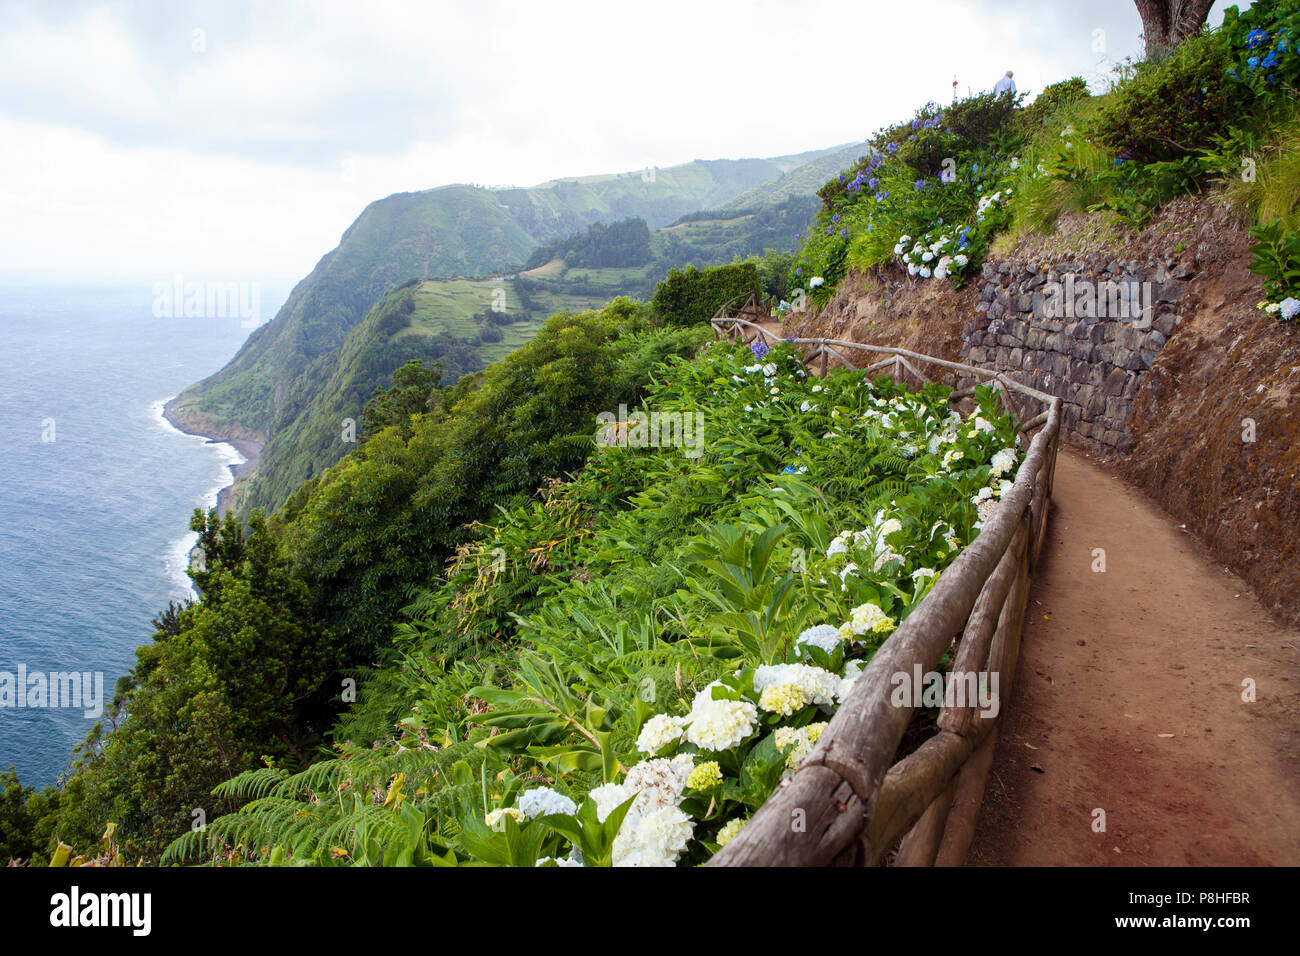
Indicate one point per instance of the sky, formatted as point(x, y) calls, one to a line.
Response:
point(236, 141)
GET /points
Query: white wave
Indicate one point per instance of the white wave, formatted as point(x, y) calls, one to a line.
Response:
point(225, 457)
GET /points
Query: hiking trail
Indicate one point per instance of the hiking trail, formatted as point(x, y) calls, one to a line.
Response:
point(1128, 698)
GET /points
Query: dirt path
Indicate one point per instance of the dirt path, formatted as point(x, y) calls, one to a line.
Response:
point(1128, 698)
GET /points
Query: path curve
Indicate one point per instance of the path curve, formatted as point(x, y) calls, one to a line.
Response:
point(1128, 699)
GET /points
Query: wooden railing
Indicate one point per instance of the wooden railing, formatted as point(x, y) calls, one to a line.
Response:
point(749, 308)
point(850, 803)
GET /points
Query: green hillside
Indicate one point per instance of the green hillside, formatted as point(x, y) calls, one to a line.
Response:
point(298, 376)
point(803, 179)
point(269, 390)
point(445, 321)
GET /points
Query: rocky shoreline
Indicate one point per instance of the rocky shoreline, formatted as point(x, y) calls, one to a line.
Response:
point(250, 449)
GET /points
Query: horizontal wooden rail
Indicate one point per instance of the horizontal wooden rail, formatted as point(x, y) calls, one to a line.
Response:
point(850, 802)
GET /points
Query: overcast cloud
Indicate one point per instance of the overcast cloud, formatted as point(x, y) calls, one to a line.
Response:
point(238, 140)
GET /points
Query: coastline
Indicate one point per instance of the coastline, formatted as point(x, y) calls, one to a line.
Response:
point(250, 450)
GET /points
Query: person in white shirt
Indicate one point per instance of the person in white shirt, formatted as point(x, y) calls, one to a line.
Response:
point(1005, 85)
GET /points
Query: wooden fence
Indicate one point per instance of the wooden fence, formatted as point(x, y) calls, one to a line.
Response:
point(850, 803)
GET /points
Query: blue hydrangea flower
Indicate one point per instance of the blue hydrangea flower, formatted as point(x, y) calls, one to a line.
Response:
point(1252, 63)
point(1270, 60)
point(1255, 37)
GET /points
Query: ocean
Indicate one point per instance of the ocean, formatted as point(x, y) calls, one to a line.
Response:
point(96, 492)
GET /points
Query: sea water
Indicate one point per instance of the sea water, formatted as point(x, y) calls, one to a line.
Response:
point(96, 490)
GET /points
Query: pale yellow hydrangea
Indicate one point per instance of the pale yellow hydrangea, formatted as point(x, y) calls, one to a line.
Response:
point(869, 619)
point(729, 831)
point(705, 777)
point(782, 699)
point(800, 740)
point(497, 818)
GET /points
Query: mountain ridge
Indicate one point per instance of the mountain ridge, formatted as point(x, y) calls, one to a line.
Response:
point(452, 231)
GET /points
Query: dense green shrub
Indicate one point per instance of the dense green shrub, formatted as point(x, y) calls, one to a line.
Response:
point(1049, 103)
point(1171, 109)
point(690, 296)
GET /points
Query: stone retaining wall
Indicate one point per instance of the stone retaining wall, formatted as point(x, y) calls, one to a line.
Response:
point(1035, 322)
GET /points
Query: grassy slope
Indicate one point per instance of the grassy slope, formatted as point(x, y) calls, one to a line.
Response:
point(441, 328)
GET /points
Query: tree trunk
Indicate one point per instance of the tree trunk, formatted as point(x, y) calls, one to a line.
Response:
point(1167, 23)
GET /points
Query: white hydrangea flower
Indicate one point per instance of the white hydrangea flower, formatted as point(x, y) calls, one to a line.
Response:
point(851, 672)
point(815, 684)
point(1004, 461)
point(823, 636)
point(541, 801)
point(656, 838)
point(608, 796)
point(658, 783)
point(887, 557)
point(660, 731)
point(720, 724)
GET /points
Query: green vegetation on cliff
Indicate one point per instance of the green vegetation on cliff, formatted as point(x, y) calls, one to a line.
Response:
point(298, 377)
